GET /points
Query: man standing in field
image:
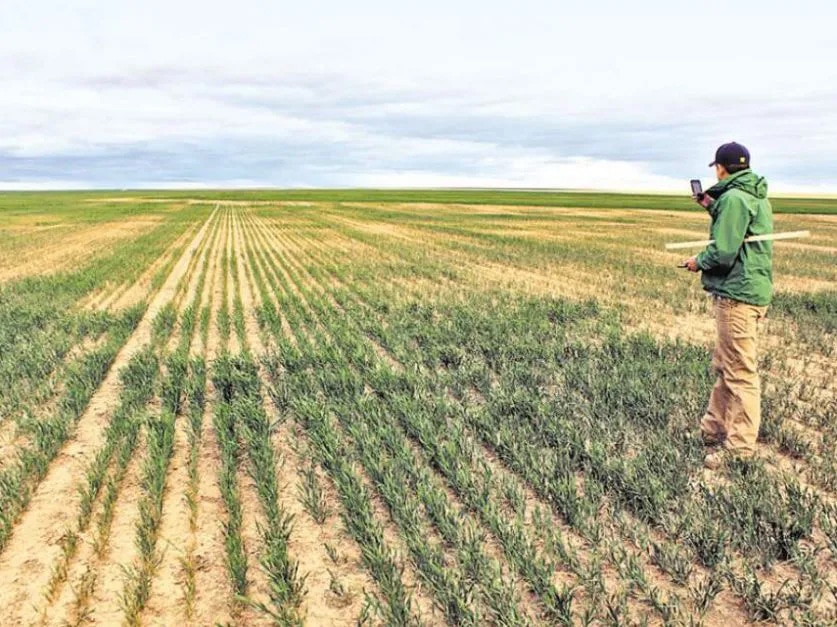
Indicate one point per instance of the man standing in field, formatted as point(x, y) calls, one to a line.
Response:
point(739, 276)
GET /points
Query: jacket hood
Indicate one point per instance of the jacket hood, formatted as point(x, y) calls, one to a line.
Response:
point(747, 181)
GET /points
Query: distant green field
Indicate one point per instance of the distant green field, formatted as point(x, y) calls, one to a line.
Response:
point(596, 200)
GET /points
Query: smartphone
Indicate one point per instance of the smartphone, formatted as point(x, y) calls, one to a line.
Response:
point(697, 188)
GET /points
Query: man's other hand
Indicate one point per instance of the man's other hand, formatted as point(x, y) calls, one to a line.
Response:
point(691, 264)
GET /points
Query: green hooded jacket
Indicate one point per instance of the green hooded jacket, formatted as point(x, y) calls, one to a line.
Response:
point(730, 267)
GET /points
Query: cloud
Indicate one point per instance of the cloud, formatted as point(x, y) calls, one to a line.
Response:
point(371, 94)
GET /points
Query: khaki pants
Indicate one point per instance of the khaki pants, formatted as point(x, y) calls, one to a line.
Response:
point(734, 411)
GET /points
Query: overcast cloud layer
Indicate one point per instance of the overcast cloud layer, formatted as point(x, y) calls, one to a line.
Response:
point(369, 93)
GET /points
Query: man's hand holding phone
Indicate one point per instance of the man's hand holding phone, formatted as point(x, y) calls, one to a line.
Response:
point(704, 200)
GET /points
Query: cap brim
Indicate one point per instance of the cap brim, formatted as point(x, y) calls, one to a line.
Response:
point(713, 163)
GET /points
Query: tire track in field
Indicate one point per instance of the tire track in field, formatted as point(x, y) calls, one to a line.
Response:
point(34, 546)
point(130, 294)
point(308, 539)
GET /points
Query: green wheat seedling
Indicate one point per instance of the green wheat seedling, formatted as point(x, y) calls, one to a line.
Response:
point(334, 554)
point(58, 575)
point(762, 605)
point(311, 495)
point(83, 590)
point(187, 566)
point(163, 323)
point(704, 592)
point(828, 523)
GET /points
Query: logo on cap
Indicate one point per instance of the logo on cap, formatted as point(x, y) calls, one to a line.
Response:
point(732, 154)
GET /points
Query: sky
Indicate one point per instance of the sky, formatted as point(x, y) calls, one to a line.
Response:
point(456, 93)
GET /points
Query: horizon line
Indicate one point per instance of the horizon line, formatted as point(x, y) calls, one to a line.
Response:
point(187, 187)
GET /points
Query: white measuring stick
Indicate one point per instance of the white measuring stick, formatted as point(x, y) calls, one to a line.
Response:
point(752, 238)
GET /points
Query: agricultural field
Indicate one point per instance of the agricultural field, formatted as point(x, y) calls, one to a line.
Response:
point(400, 408)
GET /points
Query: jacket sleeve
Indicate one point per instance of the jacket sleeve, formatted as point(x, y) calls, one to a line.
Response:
point(728, 231)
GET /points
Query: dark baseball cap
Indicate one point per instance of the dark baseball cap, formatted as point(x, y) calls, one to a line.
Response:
point(732, 154)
